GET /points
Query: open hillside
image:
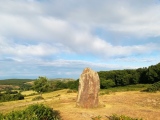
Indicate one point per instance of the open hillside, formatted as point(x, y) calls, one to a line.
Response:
point(130, 103)
point(15, 84)
point(134, 93)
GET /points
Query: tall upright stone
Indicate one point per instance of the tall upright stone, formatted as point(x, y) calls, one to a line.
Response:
point(89, 85)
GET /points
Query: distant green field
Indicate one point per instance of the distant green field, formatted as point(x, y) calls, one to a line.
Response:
point(22, 84)
point(15, 82)
point(22, 81)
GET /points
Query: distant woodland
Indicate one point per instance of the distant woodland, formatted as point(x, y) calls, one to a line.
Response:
point(145, 79)
point(125, 77)
point(113, 78)
point(11, 89)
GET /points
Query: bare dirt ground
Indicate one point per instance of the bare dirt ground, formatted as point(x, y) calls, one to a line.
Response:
point(134, 104)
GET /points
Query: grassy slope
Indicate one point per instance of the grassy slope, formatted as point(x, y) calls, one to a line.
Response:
point(130, 103)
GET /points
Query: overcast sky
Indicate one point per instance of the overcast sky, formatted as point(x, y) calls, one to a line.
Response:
point(59, 38)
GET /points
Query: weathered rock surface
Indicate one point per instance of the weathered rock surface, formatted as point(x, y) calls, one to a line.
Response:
point(89, 85)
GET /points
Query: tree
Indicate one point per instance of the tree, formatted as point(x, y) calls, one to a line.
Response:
point(73, 84)
point(105, 84)
point(60, 85)
point(41, 85)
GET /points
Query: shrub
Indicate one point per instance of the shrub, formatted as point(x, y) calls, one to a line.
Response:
point(37, 98)
point(11, 92)
point(33, 112)
point(11, 97)
point(122, 117)
point(154, 87)
point(1, 116)
point(96, 118)
point(42, 112)
point(107, 83)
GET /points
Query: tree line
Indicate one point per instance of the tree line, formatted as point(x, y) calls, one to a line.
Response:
point(108, 79)
point(113, 78)
point(125, 77)
point(42, 84)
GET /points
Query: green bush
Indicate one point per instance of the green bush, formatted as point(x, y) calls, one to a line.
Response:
point(122, 117)
point(1, 116)
point(154, 87)
point(37, 98)
point(11, 97)
point(105, 84)
point(33, 112)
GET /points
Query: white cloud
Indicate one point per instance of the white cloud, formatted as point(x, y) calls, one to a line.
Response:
point(134, 17)
point(138, 18)
point(64, 68)
point(71, 65)
point(34, 29)
point(73, 29)
point(23, 7)
point(40, 49)
point(136, 59)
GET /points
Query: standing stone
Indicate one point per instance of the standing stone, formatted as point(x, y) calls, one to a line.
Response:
point(89, 85)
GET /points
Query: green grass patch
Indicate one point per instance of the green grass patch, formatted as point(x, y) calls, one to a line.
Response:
point(137, 87)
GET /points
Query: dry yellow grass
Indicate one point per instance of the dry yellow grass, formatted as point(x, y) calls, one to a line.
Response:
point(134, 104)
point(28, 92)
